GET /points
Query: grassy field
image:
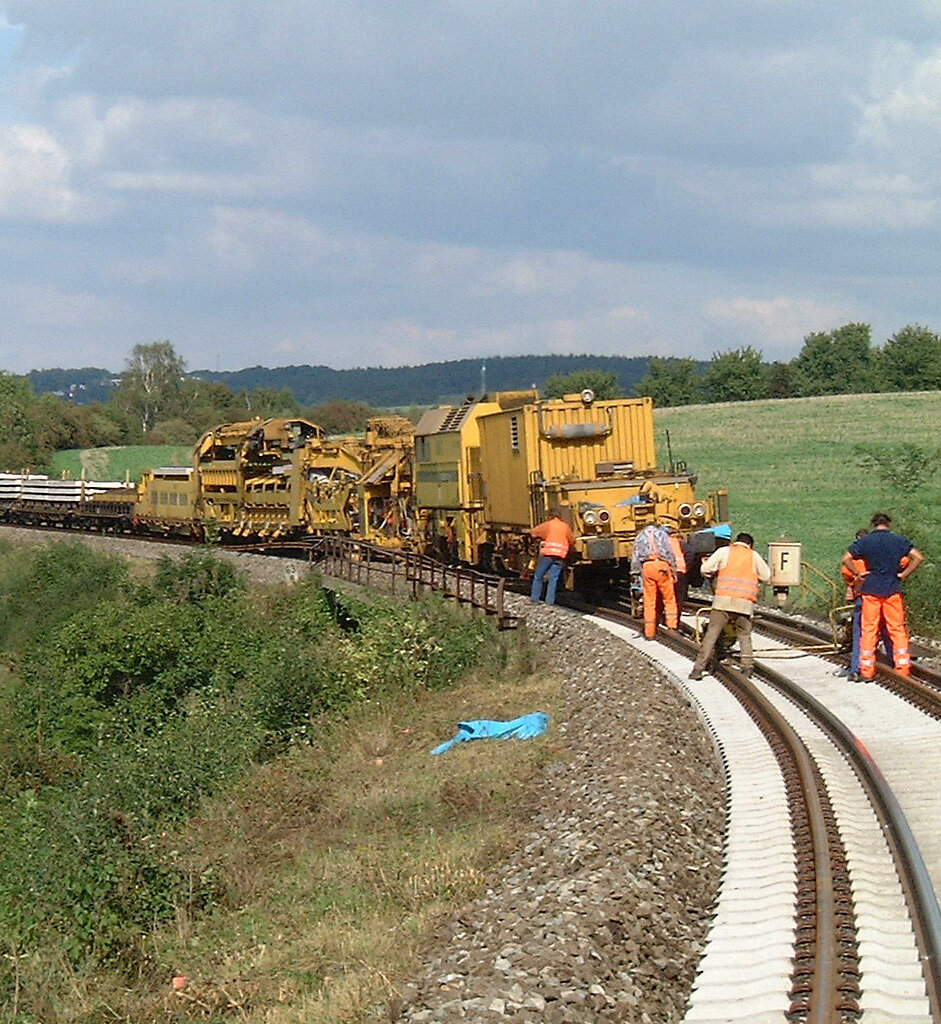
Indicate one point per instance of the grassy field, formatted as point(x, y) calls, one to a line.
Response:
point(119, 462)
point(790, 467)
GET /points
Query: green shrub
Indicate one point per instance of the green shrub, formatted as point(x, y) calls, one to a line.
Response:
point(43, 587)
point(116, 667)
point(131, 711)
point(922, 525)
point(195, 578)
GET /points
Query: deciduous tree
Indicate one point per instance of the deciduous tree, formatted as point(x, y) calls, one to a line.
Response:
point(739, 375)
point(269, 402)
point(604, 385)
point(839, 362)
point(152, 383)
point(19, 445)
point(910, 360)
point(340, 417)
point(671, 382)
point(781, 381)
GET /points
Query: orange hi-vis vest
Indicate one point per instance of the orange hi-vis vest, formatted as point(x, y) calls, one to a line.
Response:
point(738, 578)
point(556, 542)
point(678, 553)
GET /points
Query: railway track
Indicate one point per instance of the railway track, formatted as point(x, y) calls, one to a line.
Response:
point(828, 908)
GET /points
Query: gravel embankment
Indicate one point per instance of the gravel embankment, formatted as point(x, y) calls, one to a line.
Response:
point(602, 912)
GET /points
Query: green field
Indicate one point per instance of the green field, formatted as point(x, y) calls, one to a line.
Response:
point(119, 462)
point(790, 467)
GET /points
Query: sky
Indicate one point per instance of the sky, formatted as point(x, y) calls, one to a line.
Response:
point(354, 183)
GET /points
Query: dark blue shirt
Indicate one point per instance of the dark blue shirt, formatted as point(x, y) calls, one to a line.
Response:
point(882, 551)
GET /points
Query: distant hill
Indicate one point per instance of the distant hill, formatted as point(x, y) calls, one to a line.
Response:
point(424, 385)
point(84, 386)
point(383, 387)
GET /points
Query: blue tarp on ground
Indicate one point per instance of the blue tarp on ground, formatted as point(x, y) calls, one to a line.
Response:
point(523, 728)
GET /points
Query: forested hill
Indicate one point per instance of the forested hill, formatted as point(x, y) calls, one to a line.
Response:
point(424, 385)
point(376, 386)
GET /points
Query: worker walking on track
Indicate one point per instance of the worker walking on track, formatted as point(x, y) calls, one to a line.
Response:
point(653, 558)
point(882, 552)
point(557, 540)
point(738, 570)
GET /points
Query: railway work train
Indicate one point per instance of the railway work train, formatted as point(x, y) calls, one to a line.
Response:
point(466, 484)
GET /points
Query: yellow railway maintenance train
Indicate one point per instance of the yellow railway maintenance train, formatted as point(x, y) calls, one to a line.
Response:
point(466, 484)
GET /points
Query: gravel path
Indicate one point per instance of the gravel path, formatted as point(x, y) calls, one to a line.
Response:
point(602, 912)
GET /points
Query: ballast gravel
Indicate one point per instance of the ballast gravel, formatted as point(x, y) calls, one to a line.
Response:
point(602, 912)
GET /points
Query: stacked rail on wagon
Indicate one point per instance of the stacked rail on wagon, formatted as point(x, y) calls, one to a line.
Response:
point(32, 499)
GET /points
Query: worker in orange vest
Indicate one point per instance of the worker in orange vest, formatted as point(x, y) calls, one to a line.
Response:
point(557, 540)
point(882, 552)
point(738, 570)
point(652, 557)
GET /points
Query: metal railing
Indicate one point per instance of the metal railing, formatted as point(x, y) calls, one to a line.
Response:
point(409, 574)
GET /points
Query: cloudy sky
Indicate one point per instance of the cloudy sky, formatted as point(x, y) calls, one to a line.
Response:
point(386, 182)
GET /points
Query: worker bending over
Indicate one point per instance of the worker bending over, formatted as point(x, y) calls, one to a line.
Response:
point(738, 570)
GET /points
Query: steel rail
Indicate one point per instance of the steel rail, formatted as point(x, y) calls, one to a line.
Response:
point(818, 995)
point(822, 990)
point(920, 894)
point(923, 902)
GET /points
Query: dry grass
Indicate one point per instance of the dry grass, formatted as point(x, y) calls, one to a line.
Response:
point(334, 863)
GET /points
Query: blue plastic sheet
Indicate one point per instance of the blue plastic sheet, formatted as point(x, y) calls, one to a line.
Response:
point(523, 728)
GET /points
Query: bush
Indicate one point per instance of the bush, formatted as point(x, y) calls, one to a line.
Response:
point(134, 711)
point(116, 668)
point(922, 526)
point(43, 587)
point(194, 579)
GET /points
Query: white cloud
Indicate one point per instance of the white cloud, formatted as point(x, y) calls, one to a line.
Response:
point(773, 323)
point(399, 181)
point(50, 307)
point(34, 176)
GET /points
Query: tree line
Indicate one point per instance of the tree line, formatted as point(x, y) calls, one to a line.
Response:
point(157, 402)
point(839, 362)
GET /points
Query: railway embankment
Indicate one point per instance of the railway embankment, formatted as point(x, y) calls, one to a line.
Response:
point(599, 908)
point(601, 913)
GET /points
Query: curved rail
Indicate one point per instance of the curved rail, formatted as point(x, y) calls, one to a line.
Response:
point(824, 981)
point(914, 875)
point(916, 882)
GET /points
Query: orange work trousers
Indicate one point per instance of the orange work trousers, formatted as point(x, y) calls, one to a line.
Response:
point(657, 577)
point(890, 610)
